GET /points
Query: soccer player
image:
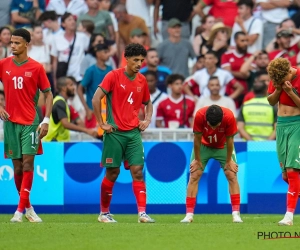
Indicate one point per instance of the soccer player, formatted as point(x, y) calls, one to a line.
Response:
point(214, 129)
point(23, 78)
point(284, 89)
point(126, 90)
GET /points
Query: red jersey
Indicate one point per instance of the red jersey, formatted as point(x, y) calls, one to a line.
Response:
point(124, 98)
point(284, 98)
point(215, 138)
point(22, 83)
point(284, 54)
point(171, 110)
point(223, 9)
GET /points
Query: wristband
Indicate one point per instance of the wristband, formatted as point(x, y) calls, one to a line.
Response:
point(46, 120)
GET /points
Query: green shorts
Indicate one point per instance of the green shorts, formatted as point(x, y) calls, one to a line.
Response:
point(20, 140)
point(288, 142)
point(122, 145)
point(219, 154)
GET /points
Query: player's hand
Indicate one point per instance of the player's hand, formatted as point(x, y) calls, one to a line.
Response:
point(144, 124)
point(3, 114)
point(287, 87)
point(232, 166)
point(195, 165)
point(89, 114)
point(107, 127)
point(278, 87)
point(43, 130)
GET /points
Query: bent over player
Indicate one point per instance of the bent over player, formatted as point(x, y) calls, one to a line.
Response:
point(126, 90)
point(284, 89)
point(214, 129)
point(22, 79)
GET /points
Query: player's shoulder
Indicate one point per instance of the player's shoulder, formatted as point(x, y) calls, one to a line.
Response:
point(36, 64)
point(201, 112)
point(227, 113)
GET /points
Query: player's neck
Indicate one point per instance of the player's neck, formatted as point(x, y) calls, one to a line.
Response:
point(21, 58)
point(129, 73)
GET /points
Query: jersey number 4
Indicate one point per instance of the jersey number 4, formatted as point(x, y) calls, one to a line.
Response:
point(18, 82)
point(130, 100)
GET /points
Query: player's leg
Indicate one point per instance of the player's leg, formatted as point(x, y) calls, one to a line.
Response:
point(134, 153)
point(112, 155)
point(192, 188)
point(234, 188)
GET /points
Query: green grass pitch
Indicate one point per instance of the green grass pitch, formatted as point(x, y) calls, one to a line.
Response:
point(78, 231)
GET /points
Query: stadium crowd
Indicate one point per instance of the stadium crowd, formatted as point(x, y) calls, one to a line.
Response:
point(199, 53)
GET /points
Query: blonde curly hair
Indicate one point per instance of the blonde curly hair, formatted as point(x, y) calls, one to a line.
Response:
point(278, 69)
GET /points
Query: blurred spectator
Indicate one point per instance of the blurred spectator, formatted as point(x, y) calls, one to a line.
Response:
point(260, 76)
point(273, 13)
point(177, 110)
point(179, 9)
point(156, 95)
point(288, 24)
point(61, 47)
point(175, 51)
point(24, 13)
point(201, 39)
point(51, 25)
point(223, 11)
point(90, 58)
point(296, 16)
point(218, 41)
point(75, 7)
point(2, 104)
point(257, 119)
point(162, 72)
point(127, 23)
point(282, 46)
point(200, 79)
point(91, 80)
point(251, 26)
point(5, 12)
point(87, 27)
point(234, 59)
point(100, 18)
point(5, 34)
point(214, 88)
point(199, 64)
point(60, 119)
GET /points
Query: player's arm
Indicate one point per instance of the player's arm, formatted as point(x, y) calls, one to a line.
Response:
point(288, 88)
point(148, 114)
point(274, 97)
point(44, 126)
point(230, 165)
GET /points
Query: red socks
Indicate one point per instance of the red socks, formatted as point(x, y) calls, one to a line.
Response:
point(235, 202)
point(106, 194)
point(139, 190)
point(292, 195)
point(18, 181)
point(25, 190)
point(190, 204)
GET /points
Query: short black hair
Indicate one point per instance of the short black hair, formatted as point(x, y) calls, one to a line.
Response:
point(36, 25)
point(248, 3)
point(65, 16)
point(150, 73)
point(151, 49)
point(135, 49)
point(239, 33)
point(211, 52)
point(25, 34)
point(260, 73)
point(214, 115)
point(174, 77)
point(213, 78)
point(48, 15)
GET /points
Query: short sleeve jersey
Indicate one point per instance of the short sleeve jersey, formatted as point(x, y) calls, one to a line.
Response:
point(124, 98)
point(284, 98)
point(22, 83)
point(215, 138)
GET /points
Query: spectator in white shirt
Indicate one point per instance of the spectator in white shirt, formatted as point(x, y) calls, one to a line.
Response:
point(75, 7)
point(251, 26)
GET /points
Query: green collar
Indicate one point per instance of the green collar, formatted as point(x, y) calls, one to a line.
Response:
point(131, 78)
point(21, 63)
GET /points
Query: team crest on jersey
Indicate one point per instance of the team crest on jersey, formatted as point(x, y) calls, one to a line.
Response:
point(221, 130)
point(109, 160)
point(28, 74)
point(139, 89)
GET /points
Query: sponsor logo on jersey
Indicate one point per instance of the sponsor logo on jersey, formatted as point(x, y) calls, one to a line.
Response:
point(123, 86)
point(109, 160)
point(28, 74)
point(139, 89)
point(10, 152)
point(221, 129)
point(8, 72)
point(168, 107)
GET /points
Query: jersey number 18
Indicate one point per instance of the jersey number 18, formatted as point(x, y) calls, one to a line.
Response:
point(18, 82)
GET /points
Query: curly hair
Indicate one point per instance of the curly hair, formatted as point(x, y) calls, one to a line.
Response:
point(135, 49)
point(214, 115)
point(278, 69)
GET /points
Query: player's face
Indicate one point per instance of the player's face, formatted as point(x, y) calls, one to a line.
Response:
point(18, 45)
point(69, 23)
point(214, 127)
point(242, 43)
point(37, 34)
point(102, 55)
point(152, 58)
point(70, 88)
point(5, 36)
point(214, 87)
point(134, 63)
point(262, 60)
point(177, 87)
point(151, 80)
point(210, 61)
